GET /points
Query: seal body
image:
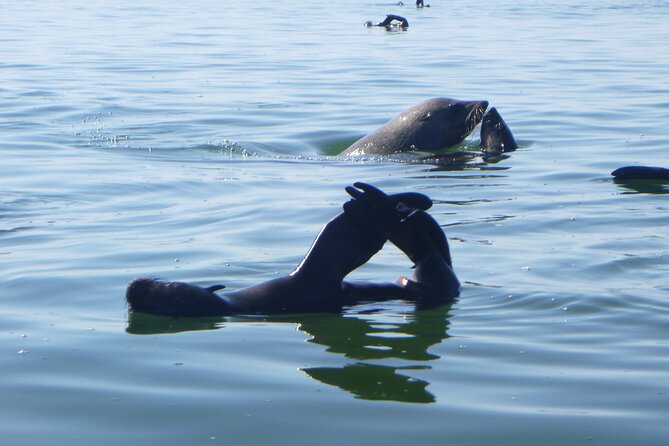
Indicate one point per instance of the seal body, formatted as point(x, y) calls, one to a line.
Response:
point(641, 173)
point(434, 124)
point(346, 242)
point(496, 137)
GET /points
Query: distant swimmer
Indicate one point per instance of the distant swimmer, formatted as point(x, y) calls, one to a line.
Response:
point(390, 21)
point(346, 242)
point(419, 4)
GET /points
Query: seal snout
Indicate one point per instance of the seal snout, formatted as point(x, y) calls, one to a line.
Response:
point(480, 108)
point(475, 115)
point(477, 110)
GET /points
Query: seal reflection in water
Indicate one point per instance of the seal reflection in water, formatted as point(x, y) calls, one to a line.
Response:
point(437, 123)
point(346, 242)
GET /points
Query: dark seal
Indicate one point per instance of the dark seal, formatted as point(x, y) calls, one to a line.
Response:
point(389, 21)
point(348, 241)
point(641, 173)
point(496, 136)
point(434, 124)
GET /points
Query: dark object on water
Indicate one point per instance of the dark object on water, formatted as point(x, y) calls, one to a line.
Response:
point(641, 173)
point(496, 137)
point(346, 242)
point(388, 22)
point(419, 4)
point(434, 124)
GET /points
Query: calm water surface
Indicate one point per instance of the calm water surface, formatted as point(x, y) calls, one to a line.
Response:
point(198, 142)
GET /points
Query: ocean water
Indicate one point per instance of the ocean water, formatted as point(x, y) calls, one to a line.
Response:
point(197, 141)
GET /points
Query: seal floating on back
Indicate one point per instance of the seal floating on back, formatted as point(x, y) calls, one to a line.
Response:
point(346, 242)
point(434, 124)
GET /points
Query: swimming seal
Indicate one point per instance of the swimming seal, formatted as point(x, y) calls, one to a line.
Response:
point(346, 242)
point(390, 21)
point(434, 124)
point(496, 136)
point(641, 173)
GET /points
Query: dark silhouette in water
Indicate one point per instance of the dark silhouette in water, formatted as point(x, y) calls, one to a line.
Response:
point(496, 136)
point(496, 139)
point(317, 284)
point(641, 173)
point(434, 124)
point(643, 179)
point(390, 21)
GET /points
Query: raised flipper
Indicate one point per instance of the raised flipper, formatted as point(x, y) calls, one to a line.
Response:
point(390, 21)
point(400, 222)
point(496, 136)
point(347, 242)
point(417, 234)
point(390, 18)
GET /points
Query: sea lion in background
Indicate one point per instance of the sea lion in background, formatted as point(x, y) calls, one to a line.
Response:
point(434, 124)
point(496, 137)
point(317, 284)
point(641, 173)
point(388, 22)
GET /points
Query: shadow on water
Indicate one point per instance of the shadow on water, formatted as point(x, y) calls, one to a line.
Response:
point(643, 186)
point(461, 160)
point(363, 337)
point(149, 324)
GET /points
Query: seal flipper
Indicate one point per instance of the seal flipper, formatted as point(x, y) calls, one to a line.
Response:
point(340, 247)
point(349, 241)
point(214, 288)
point(390, 18)
point(419, 236)
point(433, 230)
point(496, 136)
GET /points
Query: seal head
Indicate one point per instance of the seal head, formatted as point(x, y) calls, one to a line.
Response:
point(434, 124)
